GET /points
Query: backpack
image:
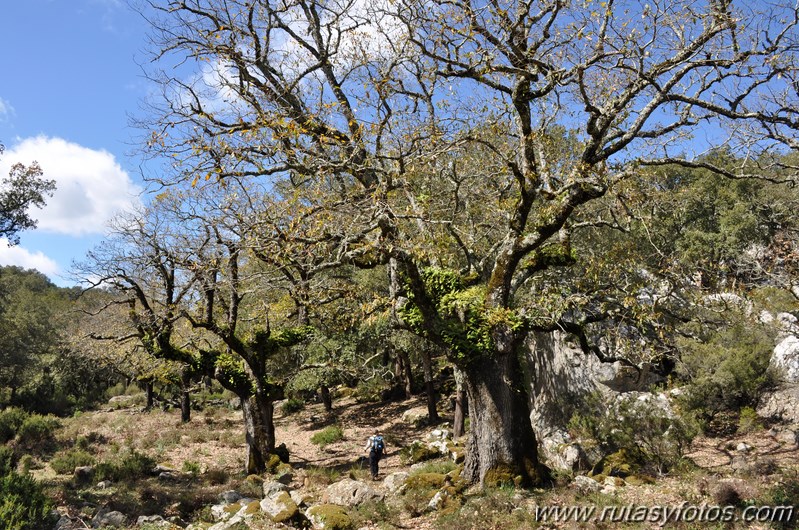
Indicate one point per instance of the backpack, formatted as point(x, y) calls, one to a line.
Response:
point(378, 444)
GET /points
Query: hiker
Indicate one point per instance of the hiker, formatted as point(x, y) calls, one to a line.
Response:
point(375, 445)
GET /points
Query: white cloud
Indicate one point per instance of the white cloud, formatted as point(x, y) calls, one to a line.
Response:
point(24, 258)
point(6, 110)
point(91, 187)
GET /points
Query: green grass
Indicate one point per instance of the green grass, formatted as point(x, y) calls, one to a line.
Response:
point(328, 435)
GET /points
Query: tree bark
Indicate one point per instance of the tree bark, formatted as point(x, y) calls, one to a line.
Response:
point(461, 404)
point(430, 388)
point(258, 411)
point(501, 446)
point(185, 397)
point(405, 371)
point(327, 399)
point(149, 389)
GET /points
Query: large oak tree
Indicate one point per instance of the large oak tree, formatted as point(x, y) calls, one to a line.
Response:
point(378, 108)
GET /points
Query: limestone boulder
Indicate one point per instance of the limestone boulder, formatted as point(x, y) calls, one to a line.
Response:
point(350, 492)
point(329, 517)
point(280, 507)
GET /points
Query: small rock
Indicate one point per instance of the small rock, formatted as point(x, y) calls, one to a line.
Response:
point(84, 474)
point(438, 500)
point(169, 476)
point(112, 519)
point(280, 507)
point(270, 488)
point(285, 478)
point(230, 496)
point(153, 520)
point(329, 517)
point(395, 481)
point(104, 485)
point(301, 499)
point(787, 437)
point(743, 447)
point(586, 484)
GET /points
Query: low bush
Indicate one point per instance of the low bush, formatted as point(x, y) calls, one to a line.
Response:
point(292, 405)
point(37, 432)
point(23, 505)
point(126, 466)
point(328, 435)
point(65, 463)
point(11, 419)
point(641, 435)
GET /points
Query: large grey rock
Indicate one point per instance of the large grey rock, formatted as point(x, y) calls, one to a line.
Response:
point(109, 519)
point(786, 358)
point(561, 375)
point(350, 492)
point(781, 404)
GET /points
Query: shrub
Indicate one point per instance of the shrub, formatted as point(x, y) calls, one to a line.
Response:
point(748, 420)
point(646, 433)
point(328, 435)
point(292, 405)
point(729, 370)
point(36, 432)
point(785, 493)
point(11, 420)
point(127, 466)
point(191, 467)
point(7, 460)
point(66, 462)
point(23, 505)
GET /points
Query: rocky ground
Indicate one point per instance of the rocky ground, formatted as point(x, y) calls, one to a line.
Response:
point(198, 483)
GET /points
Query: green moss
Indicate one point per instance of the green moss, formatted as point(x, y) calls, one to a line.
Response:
point(332, 516)
point(272, 463)
point(426, 481)
point(618, 464)
point(290, 508)
point(639, 480)
point(417, 452)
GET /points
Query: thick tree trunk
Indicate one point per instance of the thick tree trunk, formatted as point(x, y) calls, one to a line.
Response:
point(259, 429)
point(430, 388)
point(327, 399)
point(461, 404)
point(501, 446)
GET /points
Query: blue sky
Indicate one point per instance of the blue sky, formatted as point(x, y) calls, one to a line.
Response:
point(70, 80)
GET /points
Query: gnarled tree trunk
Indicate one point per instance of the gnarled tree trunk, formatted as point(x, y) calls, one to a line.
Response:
point(501, 446)
point(430, 388)
point(258, 411)
point(185, 396)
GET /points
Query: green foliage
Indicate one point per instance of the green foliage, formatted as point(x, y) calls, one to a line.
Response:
point(463, 322)
point(748, 420)
point(635, 435)
point(728, 370)
point(65, 463)
point(328, 435)
point(11, 419)
point(23, 504)
point(37, 432)
point(292, 405)
point(126, 466)
point(784, 493)
point(7, 460)
point(190, 466)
